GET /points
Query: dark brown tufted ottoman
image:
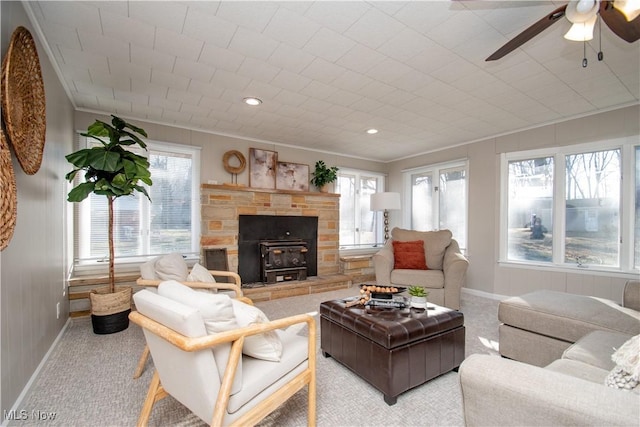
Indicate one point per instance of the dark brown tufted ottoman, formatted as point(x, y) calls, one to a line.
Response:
point(393, 349)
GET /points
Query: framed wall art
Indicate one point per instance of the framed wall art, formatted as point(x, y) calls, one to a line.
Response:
point(262, 168)
point(292, 176)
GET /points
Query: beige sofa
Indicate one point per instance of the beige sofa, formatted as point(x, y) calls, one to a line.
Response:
point(570, 391)
point(539, 326)
point(447, 267)
point(574, 338)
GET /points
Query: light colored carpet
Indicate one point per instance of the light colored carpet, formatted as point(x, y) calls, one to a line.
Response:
point(88, 380)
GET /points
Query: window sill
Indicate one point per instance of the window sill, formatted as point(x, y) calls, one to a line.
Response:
point(587, 270)
point(359, 251)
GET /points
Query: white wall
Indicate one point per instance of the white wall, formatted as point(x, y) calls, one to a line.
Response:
point(33, 265)
point(485, 274)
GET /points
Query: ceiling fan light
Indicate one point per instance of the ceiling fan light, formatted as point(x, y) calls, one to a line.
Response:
point(579, 11)
point(582, 31)
point(629, 8)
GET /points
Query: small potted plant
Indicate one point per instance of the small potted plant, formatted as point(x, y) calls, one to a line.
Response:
point(418, 296)
point(111, 171)
point(324, 175)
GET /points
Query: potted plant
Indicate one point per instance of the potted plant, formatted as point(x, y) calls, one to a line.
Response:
point(324, 175)
point(111, 171)
point(418, 296)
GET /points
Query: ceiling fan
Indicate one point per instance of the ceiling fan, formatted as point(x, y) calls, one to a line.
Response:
point(620, 16)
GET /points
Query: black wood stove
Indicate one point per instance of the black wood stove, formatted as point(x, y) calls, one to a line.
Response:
point(283, 260)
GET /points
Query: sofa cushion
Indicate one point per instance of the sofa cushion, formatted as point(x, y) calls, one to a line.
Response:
point(432, 279)
point(435, 243)
point(596, 348)
point(409, 255)
point(567, 317)
point(578, 370)
point(261, 375)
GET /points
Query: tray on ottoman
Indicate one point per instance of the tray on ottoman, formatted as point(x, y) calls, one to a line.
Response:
point(393, 349)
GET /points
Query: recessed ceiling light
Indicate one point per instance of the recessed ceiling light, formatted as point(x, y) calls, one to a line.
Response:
point(252, 101)
point(372, 131)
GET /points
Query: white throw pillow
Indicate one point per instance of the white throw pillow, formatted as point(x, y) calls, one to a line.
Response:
point(172, 267)
point(626, 374)
point(148, 269)
point(200, 274)
point(216, 309)
point(218, 316)
point(266, 346)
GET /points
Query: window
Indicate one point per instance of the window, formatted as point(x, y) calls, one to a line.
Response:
point(169, 223)
point(530, 209)
point(567, 207)
point(359, 226)
point(439, 199)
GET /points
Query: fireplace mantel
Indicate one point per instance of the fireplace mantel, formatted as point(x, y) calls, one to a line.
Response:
point(266, 190)
point(221, 206)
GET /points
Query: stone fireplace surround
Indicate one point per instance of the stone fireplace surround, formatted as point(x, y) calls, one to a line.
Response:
point(221, 206)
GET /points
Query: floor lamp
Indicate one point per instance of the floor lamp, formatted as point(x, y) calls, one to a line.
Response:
point(385, 201)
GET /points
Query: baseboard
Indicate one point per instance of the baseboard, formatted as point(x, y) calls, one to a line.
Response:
point(483, 294)
point(15, 408)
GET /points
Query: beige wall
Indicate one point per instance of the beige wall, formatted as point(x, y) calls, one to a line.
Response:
point(485, 274)
point(33, 265)
point(214, 146)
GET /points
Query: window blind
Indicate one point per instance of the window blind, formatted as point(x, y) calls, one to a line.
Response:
point(143, 229)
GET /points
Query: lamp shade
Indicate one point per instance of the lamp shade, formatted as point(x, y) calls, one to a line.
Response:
point(385, 201)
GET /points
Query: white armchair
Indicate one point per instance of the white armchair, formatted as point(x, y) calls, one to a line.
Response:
point(235, 288)
point(241, 391)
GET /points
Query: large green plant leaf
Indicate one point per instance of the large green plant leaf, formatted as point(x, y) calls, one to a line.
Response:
point(136, 130)
point(110, 169)
point(81, 192)
point(107, 161)
point(143, 191)
point(80, 158)
point(98, 128)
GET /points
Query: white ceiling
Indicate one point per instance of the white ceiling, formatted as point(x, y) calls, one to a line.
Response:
point(327, 71)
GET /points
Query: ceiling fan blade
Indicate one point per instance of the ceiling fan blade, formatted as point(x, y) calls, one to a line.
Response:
point(528, 34)
point(627, 31)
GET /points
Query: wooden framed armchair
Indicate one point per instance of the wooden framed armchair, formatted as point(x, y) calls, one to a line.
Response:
point(236, 287)
point(241, 391)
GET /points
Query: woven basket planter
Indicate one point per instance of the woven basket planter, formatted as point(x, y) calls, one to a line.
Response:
point(110, 311)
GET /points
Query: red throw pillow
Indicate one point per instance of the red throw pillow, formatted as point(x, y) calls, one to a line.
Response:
point(409, 255)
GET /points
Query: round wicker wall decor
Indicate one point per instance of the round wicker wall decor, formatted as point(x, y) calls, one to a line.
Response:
point(8, 194)
point(23, 103)
point(234, 169)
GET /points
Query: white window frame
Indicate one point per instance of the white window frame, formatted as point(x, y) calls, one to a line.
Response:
point(435, 169)
point(88, 266)
point(627, 205)
point(382, 182)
